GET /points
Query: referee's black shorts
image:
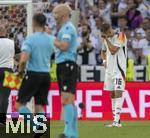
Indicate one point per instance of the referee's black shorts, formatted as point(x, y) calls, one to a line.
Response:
point(67, 75)
point(35, 84)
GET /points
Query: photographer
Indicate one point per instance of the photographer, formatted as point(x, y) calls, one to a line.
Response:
point(86, 50)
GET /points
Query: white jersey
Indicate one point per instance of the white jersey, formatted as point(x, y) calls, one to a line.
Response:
point(7, 52)
point(116, 64)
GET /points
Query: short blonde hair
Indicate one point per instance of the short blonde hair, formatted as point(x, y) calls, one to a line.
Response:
point(62, 9)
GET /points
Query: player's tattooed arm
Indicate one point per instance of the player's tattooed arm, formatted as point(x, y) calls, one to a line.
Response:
point(113, 49)
point(62, 45)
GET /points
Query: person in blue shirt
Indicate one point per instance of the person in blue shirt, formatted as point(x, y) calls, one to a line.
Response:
point(65, 56)
point(35, 59)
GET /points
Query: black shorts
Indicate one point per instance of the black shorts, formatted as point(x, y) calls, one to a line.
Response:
point(4, 93)
point(35, 84)
point(67, 74)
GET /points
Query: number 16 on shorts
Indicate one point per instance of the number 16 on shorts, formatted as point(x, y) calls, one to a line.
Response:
point(119, 84)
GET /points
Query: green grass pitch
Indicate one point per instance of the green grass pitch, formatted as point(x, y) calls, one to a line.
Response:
point(96, 129)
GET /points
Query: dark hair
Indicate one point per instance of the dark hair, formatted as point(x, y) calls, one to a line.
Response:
point(39, 19)
point(11, 35)
point(105, 27)
point(88, 27)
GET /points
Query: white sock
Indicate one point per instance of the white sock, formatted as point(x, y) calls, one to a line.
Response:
point(118, 108)
point(113, 102)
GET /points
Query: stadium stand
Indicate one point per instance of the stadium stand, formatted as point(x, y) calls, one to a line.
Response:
point(130, 16)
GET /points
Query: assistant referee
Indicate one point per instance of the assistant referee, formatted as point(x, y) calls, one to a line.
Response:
point(7, 53)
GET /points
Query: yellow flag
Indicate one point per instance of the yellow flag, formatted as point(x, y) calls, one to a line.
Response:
point(12, 80)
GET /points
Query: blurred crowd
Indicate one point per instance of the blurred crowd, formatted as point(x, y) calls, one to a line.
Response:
point(14, 18)
point(129, 16)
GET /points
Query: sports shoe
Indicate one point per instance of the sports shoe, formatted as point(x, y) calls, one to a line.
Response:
point(114, 124)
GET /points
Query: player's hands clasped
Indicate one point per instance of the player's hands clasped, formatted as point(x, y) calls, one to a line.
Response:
point(104, 36)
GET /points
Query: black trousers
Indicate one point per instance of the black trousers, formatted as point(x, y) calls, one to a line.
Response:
point(4, 96)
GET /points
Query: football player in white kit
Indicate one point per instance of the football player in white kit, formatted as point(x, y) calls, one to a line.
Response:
point(114, 54)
